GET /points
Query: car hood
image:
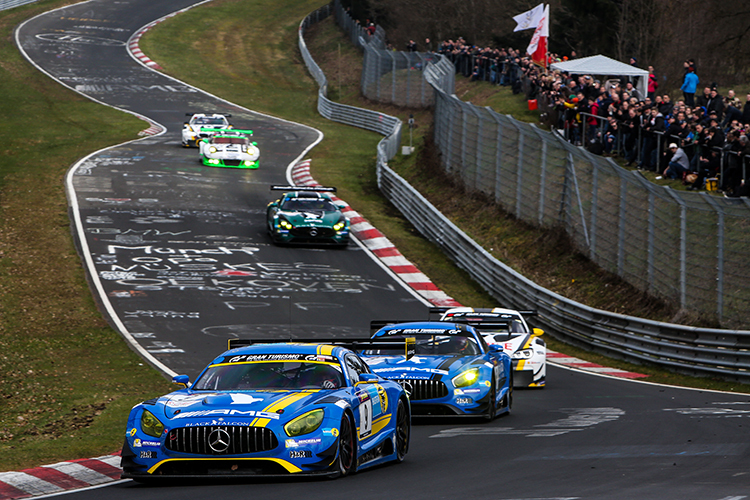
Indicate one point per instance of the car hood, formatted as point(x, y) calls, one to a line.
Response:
point(419, 367)
point(311, 217)
point(188, 405)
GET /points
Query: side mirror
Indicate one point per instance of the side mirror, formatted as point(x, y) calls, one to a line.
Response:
point(368, 377)
point(254, 143)
point(496, 348)
point(538, 332)
point(182, 380)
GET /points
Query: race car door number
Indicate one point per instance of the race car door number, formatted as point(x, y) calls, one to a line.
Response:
point(365, 418)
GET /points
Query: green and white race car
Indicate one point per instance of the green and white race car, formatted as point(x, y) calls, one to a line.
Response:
point(229, 148)
point(307, 214)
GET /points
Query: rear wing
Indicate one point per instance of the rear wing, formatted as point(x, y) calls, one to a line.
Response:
point(321, 189)
point(443, 310)
point(407, 345)
point(228, 115)
point(226, 130)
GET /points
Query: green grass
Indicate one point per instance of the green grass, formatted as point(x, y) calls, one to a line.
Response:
point(67, 380)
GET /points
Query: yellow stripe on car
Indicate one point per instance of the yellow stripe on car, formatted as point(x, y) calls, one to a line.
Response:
point(291, 468)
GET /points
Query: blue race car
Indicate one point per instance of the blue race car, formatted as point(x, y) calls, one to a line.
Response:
point(276, 409)
point(453, 370)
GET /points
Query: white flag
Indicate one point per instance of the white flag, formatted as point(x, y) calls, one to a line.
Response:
point(529, 19)
point(537, 49)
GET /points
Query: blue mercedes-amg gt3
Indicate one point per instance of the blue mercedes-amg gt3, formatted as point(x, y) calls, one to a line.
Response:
point(452, 372)
point(277, 409)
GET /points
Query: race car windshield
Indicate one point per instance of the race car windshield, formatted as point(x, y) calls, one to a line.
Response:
point(302, 205)
point(210, 120)
point(437, 345)
point(498, 327)
point(289, 375)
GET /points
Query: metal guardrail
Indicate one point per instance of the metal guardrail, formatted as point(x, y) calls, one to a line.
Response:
point(9, 4)
point(695, 351)
point(390, 126)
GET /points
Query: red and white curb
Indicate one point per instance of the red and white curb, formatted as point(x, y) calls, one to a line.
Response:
point(381, 246)
point(60, 477)
point(571, 362)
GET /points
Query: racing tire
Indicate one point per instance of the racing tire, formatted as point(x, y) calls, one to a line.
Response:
point(347, 461)
point(403, 431)
point(492, 410)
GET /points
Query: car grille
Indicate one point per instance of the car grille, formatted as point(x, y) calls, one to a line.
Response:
point(232, 163)
point(312, 232)
point(423, 389)
point(221, 440)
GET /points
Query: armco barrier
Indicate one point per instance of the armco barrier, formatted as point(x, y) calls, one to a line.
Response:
point(9, 4)
point(695, 351)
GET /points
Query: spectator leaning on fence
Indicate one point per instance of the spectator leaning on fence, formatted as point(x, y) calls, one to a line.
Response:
point(679, 165)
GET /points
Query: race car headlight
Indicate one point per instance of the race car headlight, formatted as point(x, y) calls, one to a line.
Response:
point(304, 424)
point(523, 354)
point(212, 150)
point(285, 224)
point(339, 226)
point(466, 378)
point(150, 424)
point(252, 150)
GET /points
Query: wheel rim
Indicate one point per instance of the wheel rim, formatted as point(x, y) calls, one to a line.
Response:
point(402, 431)
point(346, 445)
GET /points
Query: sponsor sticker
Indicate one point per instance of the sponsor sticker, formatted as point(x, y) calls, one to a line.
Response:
point(147, 454)
point(331, 432)
point(300, 454)
point(464, 401)
point(296, 443)
point(137, 443)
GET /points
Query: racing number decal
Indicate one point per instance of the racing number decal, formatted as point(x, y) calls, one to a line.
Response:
point(365, 418)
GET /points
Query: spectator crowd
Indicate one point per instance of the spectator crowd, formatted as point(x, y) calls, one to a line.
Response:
point(699, 137)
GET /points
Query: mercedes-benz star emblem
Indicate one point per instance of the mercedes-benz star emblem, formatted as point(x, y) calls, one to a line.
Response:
point(407, 387)
point(313, 232)
point(218, 440)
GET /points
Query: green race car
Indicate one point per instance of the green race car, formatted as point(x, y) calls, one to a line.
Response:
point(306, 214)
point(229, 148)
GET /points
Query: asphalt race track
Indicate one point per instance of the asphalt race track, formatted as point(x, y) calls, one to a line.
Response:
point(178, 254)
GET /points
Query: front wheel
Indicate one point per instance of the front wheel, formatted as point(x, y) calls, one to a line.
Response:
point(403, 431)
point(492, 410)
point(347, 461)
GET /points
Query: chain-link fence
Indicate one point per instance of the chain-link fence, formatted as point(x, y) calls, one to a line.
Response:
point(695, 351)
point(687, 247)
point(388, 76)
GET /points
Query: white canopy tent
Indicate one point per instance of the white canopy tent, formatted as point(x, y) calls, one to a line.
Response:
point(603, 66)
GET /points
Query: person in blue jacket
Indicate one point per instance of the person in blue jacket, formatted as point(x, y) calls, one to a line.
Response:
point(689, 85)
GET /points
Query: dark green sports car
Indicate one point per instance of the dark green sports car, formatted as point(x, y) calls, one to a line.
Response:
point(306, 214)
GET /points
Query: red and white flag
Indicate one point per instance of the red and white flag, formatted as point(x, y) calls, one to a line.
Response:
point(529, 19)
point(537, 49)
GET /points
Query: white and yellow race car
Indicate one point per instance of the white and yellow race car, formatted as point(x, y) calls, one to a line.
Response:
point(508, 329)
point(191, 130)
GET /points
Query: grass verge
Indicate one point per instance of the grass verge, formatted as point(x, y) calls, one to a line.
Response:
point(67, 380)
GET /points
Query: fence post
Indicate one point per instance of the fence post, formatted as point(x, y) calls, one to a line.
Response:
point(621, 226)
point(650, 251)
point(683, 245)
point(719, 254)
point(542, 180)
point(498, 157)
point(478, 173)
point(519, 167)
point(594, 207)
point(393, 76)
